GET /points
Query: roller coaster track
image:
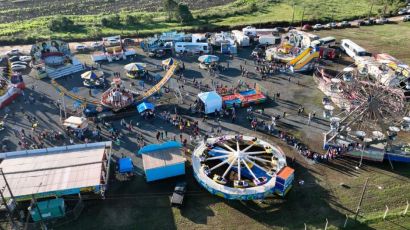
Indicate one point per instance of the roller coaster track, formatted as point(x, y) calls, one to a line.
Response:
point(142, 97)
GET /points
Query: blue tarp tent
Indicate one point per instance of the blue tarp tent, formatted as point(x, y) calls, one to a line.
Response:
point(125, 165)
point(159, 147)
point(145, 106)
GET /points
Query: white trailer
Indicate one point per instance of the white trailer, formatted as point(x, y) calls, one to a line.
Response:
point(241, 39)
point(253, 32)
point(192, 47)
point(269, 40)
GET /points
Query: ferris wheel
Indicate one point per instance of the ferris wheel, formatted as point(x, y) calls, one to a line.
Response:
point(371, 107)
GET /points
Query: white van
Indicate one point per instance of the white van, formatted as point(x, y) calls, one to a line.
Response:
point(352, 49)
point(192, 47)
point(269, 40)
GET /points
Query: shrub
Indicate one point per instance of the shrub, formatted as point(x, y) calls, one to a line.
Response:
point(61, 24)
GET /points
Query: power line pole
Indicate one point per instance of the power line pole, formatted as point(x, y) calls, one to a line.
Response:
point(303, 15)
point(6, 202)
point(361, 199)
point(293, 14)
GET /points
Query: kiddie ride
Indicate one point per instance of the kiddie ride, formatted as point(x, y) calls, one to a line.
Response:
point(10, 89)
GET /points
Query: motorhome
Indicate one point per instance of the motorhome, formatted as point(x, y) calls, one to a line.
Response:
point(191, 47)
point(352, 49)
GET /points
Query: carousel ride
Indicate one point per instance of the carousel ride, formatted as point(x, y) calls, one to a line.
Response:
point(240, 167)
point(117, 97)
point(370, 117)
point(93, 78)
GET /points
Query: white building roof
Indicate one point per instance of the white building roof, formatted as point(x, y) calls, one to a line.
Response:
point(54, 169)
point(163, 158)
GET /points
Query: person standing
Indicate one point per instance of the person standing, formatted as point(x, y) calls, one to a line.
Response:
point(158, 134)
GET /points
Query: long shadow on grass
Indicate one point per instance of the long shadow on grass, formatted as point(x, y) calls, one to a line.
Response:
point(305, 204)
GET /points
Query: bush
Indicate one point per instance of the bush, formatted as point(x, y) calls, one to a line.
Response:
point(132, 20)
point(111, 21)
point(61, 24)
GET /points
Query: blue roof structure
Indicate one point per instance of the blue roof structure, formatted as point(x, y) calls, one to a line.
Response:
point(125, 165)
point(159, 147)
point(145, 106)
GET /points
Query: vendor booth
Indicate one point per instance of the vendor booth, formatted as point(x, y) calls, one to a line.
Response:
point(76, 123)
point(212, 101)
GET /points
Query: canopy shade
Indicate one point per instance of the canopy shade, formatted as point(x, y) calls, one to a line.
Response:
point(211, 100)
point(135, 66)
point(92, 75)
point(207, 59)
point(145, 106)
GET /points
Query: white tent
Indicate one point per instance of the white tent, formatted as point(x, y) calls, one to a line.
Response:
point(211, 100)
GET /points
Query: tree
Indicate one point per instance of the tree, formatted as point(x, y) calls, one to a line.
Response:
point(170, 6)
point(61, 23)
point(131, 20)
point(184, 14)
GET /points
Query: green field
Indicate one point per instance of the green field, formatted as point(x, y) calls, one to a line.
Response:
point(234, 14)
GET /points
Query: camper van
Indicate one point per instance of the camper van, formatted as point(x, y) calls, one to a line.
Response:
point(352, 49)
point(191, 47)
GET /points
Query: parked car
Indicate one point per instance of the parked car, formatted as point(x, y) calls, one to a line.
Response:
point(307, 27)
point(96, 45)
point(402, 12)
point(279, 29)
point(13, 52)
point(291, 28)
point(333, 25)
point(81, 48)
point(14, 58)
point(360, 22)
point(345, 24)
point(327, 26)
point(178, 196)
point(113, 42)
point(381, 21)
point(318, 27)
point(17, 67)
point(25, 58)
point(128, 41)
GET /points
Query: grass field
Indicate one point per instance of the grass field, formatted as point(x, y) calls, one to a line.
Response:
point(233, 14)
point(390, 39)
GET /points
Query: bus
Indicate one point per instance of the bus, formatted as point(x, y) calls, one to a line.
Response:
point(352, 49)
point(327, 42)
